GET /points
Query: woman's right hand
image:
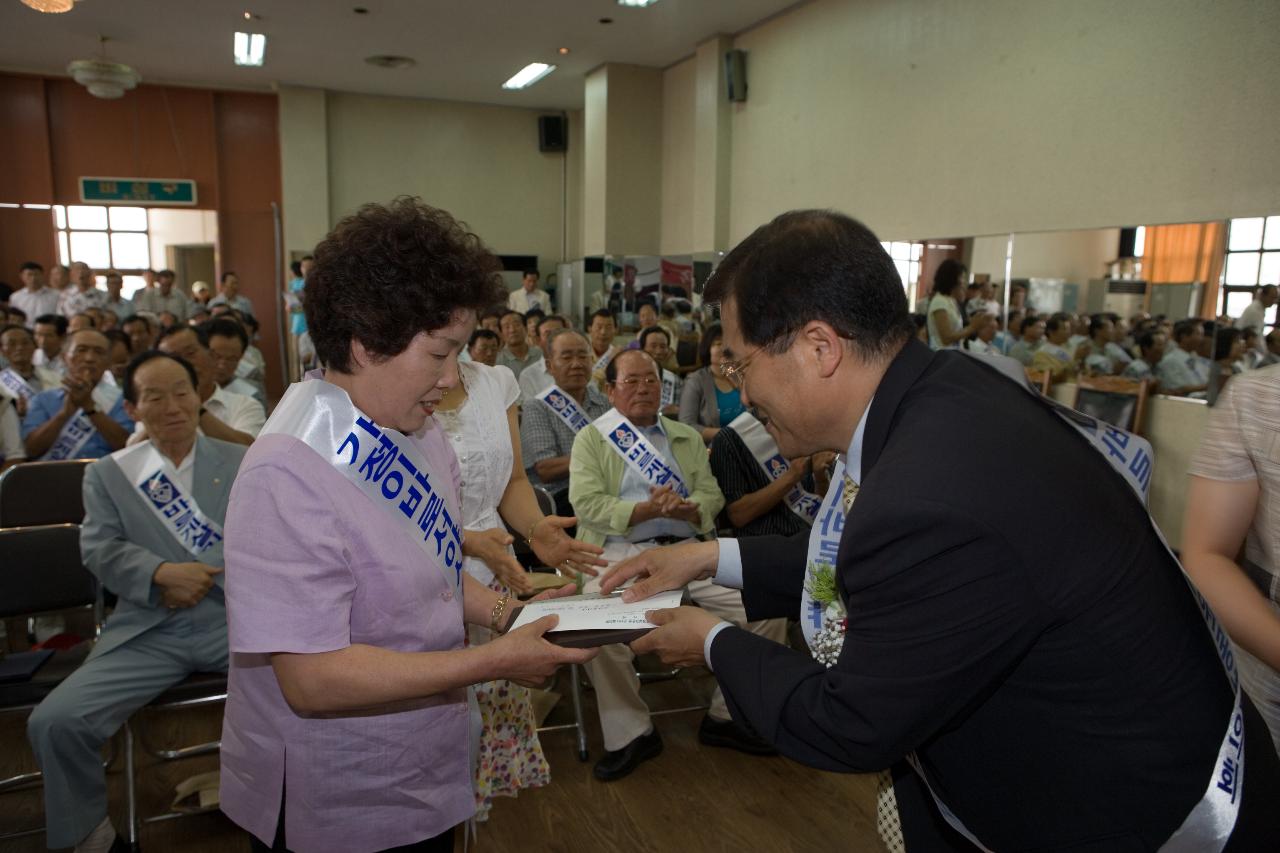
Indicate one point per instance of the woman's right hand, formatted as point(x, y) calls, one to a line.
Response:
point(529, 659)
point(490, 547)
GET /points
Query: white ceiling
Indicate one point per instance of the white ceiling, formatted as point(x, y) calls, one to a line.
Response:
point(465, 49)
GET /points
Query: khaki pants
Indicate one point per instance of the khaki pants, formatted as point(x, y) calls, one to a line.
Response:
point(623, 714)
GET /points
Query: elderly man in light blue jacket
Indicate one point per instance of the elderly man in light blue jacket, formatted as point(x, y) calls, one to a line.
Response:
point(152, 534)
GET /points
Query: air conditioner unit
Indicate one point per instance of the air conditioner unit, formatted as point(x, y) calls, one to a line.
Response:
point(1121, 296)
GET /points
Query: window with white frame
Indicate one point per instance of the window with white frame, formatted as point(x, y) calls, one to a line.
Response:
point(906, 258)
point(1253, 259)
point(105, 237)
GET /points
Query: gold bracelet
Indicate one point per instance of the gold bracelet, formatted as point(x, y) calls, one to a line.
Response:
point(498, 609)
point(529, 536)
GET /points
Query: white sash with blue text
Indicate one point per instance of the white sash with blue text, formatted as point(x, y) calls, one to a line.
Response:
point(155, 481)
point(603, 361)
point(13, 385)
point(670, 384)
point(77, 431)
point(765, 451)
point(1208, 826)
point(382, 463)
point(565, 408)
point(640, 456)
point(824, 544)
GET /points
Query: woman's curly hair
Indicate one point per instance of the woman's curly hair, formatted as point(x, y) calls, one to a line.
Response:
point(390, 272)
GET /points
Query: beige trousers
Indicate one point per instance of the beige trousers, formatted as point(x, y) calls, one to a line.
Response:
point(623, 714)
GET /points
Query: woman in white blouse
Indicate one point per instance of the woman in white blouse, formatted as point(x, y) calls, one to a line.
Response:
point(946, 323)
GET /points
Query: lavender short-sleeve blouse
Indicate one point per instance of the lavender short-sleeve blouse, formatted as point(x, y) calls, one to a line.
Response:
point(312, 565)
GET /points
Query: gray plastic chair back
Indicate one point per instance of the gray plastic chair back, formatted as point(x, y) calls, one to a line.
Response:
point(42, 493)
point(546, 502)
point(41, 571)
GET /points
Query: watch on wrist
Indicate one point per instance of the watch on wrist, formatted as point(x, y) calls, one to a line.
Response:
point(88, 413)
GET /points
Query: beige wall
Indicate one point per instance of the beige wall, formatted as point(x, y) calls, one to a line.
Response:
point(1076, 256)
point(1064, 115)
point(304, 167)
point(678, 117)
point(479, 162)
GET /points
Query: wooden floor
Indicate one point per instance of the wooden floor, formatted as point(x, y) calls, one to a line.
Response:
point(690, 798)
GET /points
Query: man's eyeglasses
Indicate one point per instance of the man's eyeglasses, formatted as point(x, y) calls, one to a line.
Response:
point(736, 371)
point(633, 381)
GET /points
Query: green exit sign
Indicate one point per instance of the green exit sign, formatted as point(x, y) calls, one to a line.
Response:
point(139, 191)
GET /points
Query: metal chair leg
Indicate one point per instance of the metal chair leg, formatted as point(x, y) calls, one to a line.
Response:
point(576, 693)
point(130, 784)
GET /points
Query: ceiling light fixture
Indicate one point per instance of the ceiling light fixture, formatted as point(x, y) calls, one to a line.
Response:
point(563, 51)
point(250, 48)
point(51, 6)
point(102, 77)
point(527, 76)
point(636, 4)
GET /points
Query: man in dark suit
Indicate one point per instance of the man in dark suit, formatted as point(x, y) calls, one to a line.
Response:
point(1039, 653)
point(152, 534)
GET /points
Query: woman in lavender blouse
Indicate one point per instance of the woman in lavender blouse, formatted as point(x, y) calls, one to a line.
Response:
point(348, 723)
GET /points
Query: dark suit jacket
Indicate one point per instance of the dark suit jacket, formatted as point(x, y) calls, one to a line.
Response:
point(1013, 618)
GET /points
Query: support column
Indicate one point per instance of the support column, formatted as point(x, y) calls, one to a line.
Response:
point(711, 143)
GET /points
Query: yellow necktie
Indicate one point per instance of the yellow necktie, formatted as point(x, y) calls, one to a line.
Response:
point(850, 492)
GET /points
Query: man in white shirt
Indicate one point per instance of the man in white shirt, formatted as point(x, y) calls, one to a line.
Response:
point(115, 302)
point(227, 342)
point(164, 297)
point(82, 294)
point(35, 298)
point(50, 331)
point(982, 299)
point(535, 378)
point(529, 296)
point(1152, 346)
point(223, 414)
point(1255, 316)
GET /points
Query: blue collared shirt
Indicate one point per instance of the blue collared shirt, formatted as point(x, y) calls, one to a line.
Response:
point(46, 405)
point(729, 561)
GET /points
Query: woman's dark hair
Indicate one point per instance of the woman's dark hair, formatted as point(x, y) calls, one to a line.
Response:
point(388, 273)
point(814, 265)
point(710, 335)
point(483, 334)
point(1223, 340)
point(948, 276)
point(131, 391)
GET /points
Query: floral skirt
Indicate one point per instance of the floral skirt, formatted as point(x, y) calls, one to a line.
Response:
point(510, 754)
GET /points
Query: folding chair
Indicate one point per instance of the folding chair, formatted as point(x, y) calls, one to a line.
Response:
point(1113, 399)
point(1042, 379)
point(41, 572)
point(42, 493)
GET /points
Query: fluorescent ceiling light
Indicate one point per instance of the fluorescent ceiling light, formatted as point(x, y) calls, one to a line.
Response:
point(636, 4)
point(250, 48)
point(527, 76)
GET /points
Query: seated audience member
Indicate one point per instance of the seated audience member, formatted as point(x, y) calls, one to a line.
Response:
point(1078, 341)
point(51, 332)
point(1007, 332)
point(163, 299)
point(1179, 370)
point(1228, 347)
point(536, 378)
point(492, 320)
point(198, 316)
point(668, 320)
point(553, 416)
point(167, 320)
point(1122, 340)
point(1253, 350)
point(1053, 355)
point(1272, 356)
point(224, 415)
point(483, 346)
point(17, 317)
point(82, 293)
point(517, 353)
point(1099, 359)
point(83, 320)
point(532, 320)
point(709, 399)
point(227, 344)
point(1231, 532)
point(601, 331)
point(142, 332)
point(229, 294)
point(115, 302)
point(1151, 346)
point(982, 299)
point(85, 418)
point(656, 341)
point(947, 327)
point(629, 509)
point(983, 339)
point(646, 316)
point(1031, 340)
point(765, 494)
point(119, 354)
point(165, 566)
point(529, 296)
point(253, 364)
point(22, 380)
point(12, 450)
point(35, 298)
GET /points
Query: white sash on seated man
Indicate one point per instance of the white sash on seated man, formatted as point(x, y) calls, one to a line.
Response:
point(565, 408)
point(78, 429)
point(13, 386)
point(639, 455)
point(765, 451)
point(157, 486)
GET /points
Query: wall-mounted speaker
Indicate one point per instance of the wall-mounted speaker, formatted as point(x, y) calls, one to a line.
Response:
point(553, 133)
point(735, 74)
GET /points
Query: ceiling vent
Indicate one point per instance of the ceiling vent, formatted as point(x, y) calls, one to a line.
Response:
point(388, 61)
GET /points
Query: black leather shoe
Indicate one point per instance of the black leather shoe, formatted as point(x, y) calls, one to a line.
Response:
point(621, 762)
point(733, 735)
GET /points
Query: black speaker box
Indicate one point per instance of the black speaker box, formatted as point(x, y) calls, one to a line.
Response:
point(553, 133)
